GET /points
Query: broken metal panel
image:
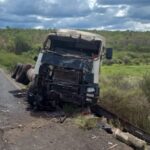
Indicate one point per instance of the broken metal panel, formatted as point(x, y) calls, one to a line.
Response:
point(67, 62)
point(95, 70)
point(30, 74)
point(70, 45)
point(64, 75)
point(38, 63)
point(78, 34)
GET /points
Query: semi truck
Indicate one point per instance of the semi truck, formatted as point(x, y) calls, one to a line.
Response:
point(67, 70)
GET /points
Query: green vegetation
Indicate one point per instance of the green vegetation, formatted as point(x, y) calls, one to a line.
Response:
point(9, 59)
point(19, 40)
point(127, 40)
point(127, 96)
point(129, 70)
point(129, 58)
point(145, 85)
point(86, 121)
point(125, 80)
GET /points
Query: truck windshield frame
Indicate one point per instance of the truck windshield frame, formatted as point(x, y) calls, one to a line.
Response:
point(74, 46)
point(71, 62)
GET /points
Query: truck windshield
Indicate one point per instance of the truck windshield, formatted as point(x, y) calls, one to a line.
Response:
point(57, 60)
point(80, 47)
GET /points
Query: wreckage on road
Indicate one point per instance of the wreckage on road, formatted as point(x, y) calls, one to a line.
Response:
point(67, 70)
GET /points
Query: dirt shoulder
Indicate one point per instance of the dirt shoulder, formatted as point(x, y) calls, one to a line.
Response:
point(24, 130)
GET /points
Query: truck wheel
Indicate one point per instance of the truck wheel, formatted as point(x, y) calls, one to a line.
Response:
point(21, 76)
point(31, 95)
point(16, 69)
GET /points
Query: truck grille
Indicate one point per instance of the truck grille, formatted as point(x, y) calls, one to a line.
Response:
point(68, 76)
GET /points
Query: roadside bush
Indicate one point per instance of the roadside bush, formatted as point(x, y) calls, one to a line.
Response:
point(145, 85)
point(113, 61)
point(136, 62)
point(21, 44)
point(117, 61)
point(108, 62)
point(10, 46)
point(132, 55)
point(9, 60)
point(127, 60)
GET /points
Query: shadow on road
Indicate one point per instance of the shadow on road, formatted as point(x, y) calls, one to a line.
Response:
point(19, 93)
point(61, 113)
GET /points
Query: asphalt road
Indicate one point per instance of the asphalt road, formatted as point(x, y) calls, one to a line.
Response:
point(24, 130)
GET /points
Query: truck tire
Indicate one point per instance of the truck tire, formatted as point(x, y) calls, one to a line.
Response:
point(21, 75)
point(31, 95)
point(32, 98)
point(16, 69)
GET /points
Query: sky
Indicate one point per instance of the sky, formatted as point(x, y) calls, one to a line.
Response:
point(77, 14)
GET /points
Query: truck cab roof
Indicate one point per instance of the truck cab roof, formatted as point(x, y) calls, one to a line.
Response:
point(74, 42)
point(78, 34)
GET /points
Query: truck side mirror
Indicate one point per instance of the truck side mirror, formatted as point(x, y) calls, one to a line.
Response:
point(109, 53)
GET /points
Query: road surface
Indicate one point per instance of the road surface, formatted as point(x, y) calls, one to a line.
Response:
point(24, 130)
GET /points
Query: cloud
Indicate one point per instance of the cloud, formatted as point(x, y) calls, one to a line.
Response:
point(122, 12)
point(90, 14)
point(2, 1)
point(49, 8)
point(127, 2)
point(38, 27)
point(142, 13)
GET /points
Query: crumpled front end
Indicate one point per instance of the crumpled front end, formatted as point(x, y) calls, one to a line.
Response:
point(68, 79)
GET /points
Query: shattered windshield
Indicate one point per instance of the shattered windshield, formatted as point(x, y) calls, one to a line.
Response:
point(57, 60)
point(71, 46)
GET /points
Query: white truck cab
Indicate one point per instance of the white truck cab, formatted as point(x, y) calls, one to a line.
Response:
point(67, 69)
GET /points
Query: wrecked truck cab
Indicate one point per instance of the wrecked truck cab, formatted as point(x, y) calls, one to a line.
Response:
point(78, 44)
point(67, 70)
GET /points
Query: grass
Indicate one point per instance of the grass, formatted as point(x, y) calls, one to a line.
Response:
point(129, 58)
point(128, 97)
point(145, 85)
point(125, 87)
point(131, 54)
point(8, 60)
point(129, 70)
point(86, 121)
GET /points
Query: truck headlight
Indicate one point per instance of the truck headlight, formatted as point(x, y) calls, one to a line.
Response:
point(88, 100)
point(90, 94)
point(90, 89)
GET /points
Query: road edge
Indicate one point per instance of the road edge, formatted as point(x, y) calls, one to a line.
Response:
point(18, 87)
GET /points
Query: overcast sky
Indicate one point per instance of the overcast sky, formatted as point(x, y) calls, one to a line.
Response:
point(89, 14)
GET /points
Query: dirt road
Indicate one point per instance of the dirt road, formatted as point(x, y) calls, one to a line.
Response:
point(24, 130)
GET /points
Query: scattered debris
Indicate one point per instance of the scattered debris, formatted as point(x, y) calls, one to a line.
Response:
point(129, 139)
point(110, 143)
point(105, 126)
point(113, 146)
point(20, 126)
point(19, 93)
point(61, 120)
point(5, 111)
point(94, 137)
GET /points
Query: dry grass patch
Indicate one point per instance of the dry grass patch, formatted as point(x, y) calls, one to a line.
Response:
point(128, 97)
